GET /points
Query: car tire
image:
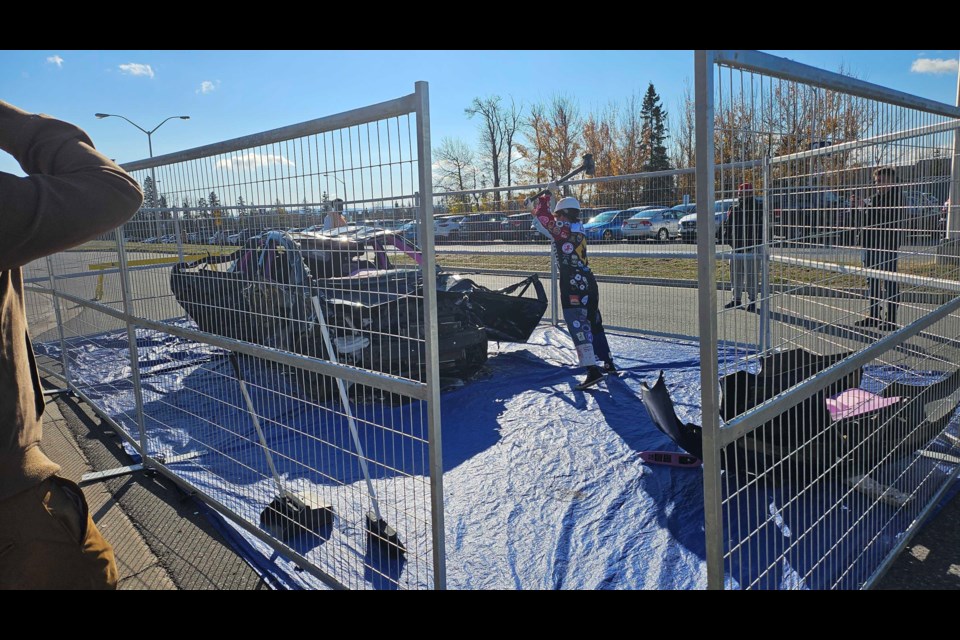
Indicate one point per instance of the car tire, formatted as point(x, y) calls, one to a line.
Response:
point(663, 235)
point(607, 236)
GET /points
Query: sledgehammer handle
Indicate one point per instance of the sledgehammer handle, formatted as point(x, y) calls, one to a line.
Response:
point(587, 166)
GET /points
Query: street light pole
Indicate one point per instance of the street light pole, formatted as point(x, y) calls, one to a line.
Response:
point(153, 176)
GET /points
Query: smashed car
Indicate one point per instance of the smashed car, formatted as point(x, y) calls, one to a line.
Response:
point(368, 285)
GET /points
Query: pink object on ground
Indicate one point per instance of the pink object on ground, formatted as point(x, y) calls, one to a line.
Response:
point(854, 402)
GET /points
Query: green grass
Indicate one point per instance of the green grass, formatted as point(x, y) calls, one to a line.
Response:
point(686, 269)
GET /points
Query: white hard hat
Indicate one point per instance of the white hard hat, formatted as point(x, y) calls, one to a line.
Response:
point(567, 203)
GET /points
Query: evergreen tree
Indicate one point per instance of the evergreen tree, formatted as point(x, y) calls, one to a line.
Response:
point(149, 192)
point(653, 150)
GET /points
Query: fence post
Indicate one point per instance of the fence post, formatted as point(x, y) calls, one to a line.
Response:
point(56, 311)
point(176, 230)
point(707, 303)
point(554, 288)
point(422, 92)
point(953, 211)
point(125, 289)
point(767, 236)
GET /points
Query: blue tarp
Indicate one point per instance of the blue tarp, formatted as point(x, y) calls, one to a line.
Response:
point(543, 485)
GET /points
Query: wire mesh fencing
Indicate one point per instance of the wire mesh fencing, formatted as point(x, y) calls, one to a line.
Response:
point(835, 386)
point(283, 375)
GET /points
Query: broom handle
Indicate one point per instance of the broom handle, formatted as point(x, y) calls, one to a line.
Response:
point(256, 424)
point(346, 404)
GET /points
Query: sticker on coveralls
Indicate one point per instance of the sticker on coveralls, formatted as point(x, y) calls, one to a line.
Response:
point(584, 299)
point(574, 299)
point(567, 248)
point(573, 282)
point(583, 287)
point(564, 234)
point(576, 324)
point(580, 336)
point(578, 277)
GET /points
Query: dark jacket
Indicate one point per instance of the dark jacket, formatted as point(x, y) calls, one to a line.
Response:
point(882, 220)
point(71, 194)
point(742, 228)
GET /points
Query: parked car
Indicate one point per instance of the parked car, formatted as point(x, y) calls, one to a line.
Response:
point(652, 224)
point(386, 223)
point(687, 225)
point(481, 227)
point(606, 226)
point(815, 216)
point(447, 228)
point(518, 228)
point(410, 232)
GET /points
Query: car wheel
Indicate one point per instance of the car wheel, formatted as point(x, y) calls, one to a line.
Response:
point(608, 236)
point(663, 235)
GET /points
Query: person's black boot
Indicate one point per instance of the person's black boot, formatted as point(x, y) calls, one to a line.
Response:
point(594, 376)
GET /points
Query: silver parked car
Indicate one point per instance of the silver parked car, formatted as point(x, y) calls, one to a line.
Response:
point(653, 224)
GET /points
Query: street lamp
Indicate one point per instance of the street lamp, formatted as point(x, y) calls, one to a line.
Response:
point(101, 116)
point(153, 178)
point(334, 176)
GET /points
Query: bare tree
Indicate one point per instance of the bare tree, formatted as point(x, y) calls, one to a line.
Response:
point(455, 168)
point(566, 126)
point(492, 135)
point(535, 130)
point(683, 151)
point(512, 120)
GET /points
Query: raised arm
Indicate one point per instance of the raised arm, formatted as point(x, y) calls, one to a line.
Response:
point(545, 222)
point(72, 193)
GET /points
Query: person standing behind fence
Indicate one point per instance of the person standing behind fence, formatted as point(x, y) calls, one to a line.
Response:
point(579, 293)
point(71, 194)
point(742, 229)
point(881, 223)
point(334, 219)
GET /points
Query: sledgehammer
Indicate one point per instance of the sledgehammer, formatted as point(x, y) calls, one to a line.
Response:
point(586, 167)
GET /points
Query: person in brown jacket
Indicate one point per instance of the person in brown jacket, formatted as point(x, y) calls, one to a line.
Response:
point(71, 194)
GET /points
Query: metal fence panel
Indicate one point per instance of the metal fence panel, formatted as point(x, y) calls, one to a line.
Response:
point(835, 360)
point(284, 377)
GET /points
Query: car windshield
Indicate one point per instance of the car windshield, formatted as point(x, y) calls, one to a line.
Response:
point(606, 216)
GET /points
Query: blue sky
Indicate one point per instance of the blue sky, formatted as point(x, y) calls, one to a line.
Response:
point(233, 93)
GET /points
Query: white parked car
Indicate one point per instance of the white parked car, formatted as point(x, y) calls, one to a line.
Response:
point(652, 224)
point(447, 229)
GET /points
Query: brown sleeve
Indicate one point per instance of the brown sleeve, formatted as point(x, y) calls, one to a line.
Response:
point(71, 194)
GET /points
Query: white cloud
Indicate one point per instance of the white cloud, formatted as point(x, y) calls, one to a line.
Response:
point(206, 87)
point(934, 65)
point(57, 60)
point(137, 69)
point(251, 160)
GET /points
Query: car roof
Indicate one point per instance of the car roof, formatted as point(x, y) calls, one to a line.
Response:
point(650, 210)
